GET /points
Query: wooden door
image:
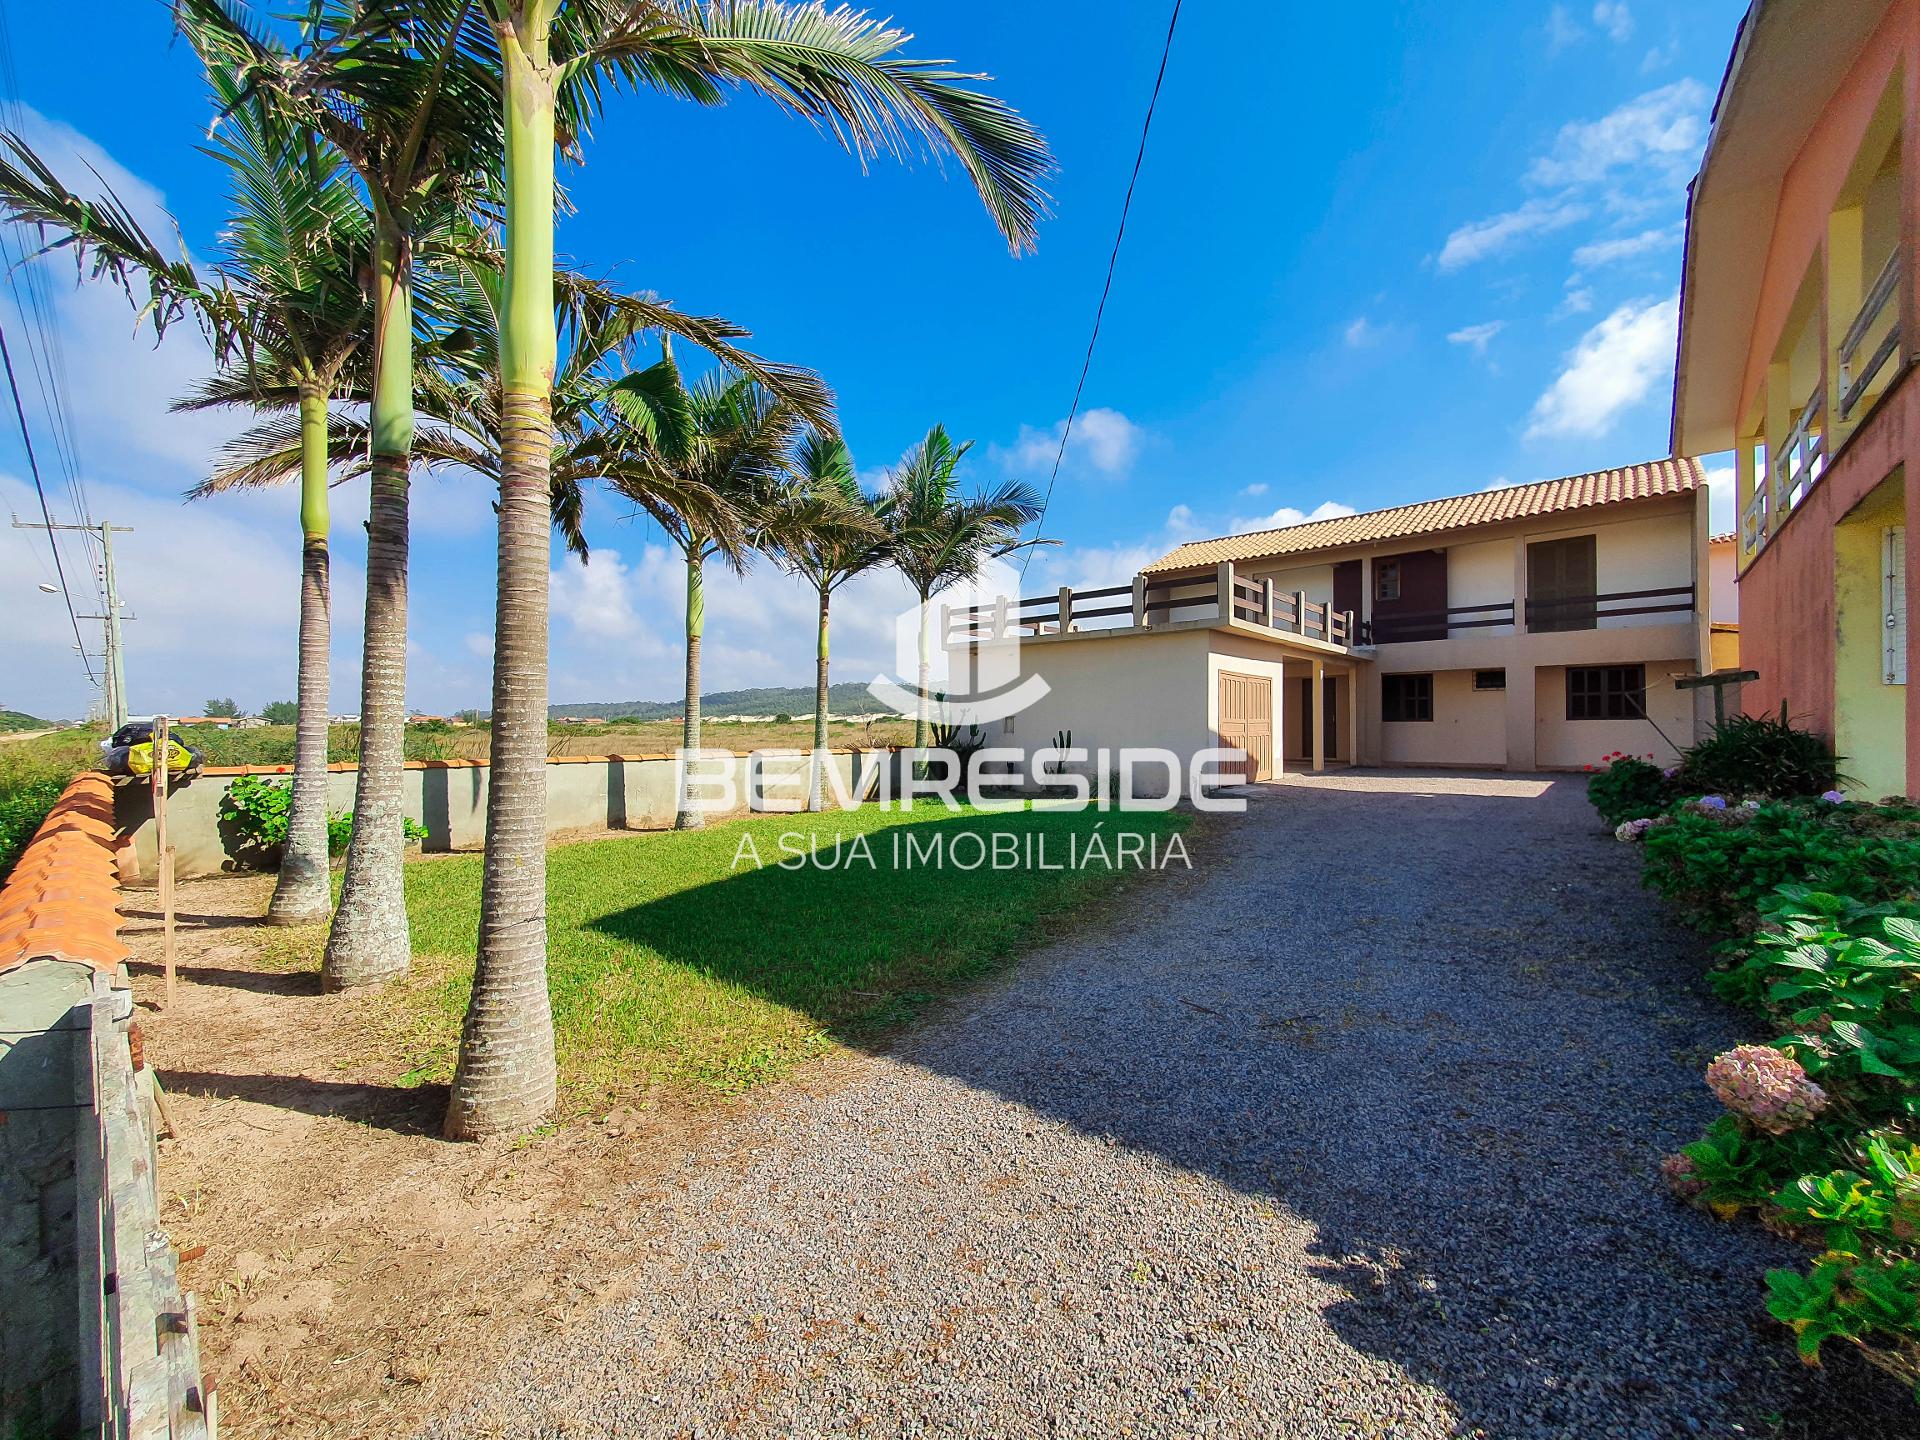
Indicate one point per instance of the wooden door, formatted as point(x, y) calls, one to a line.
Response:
point(1246, 720)
point(1329, 717)
point(1561, 579)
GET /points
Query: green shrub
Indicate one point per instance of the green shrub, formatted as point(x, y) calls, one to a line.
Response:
point(1716, 866)
point(1628, 788)
point(255, 808)
point(1759, 756)
point(1822, 1134)
point(22, 808)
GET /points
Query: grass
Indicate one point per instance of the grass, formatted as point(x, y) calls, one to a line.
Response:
point(669, 965)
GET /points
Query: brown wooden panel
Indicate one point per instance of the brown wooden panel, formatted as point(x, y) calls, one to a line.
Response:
point(1423, 591)
point(1346, 587)
point(1246, 720)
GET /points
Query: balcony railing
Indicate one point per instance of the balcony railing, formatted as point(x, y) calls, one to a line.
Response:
point(1857, 378)
point(1802, 458)
point(1438, 624)
point(1145, 604)
point(1585, 612)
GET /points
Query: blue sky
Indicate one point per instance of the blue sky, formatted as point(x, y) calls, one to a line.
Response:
point(1378, 254)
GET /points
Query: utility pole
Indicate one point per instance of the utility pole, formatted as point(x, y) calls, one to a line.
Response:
point(116, 667)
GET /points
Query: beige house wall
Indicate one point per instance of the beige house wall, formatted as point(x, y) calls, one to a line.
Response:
point(1563, 744)
point(1111, 690)
point(1469, 727)
point(1481, 573)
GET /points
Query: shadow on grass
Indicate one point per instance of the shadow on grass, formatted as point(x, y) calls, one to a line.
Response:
point(856, 933)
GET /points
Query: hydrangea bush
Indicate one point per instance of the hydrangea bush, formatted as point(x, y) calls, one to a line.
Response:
point(1816, 903)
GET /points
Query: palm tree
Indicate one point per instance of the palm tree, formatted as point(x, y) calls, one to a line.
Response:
point(838, 68)
point(404, 92)
point(827, 532)
point(726, 440)
point(941, 537)
point(286, 310)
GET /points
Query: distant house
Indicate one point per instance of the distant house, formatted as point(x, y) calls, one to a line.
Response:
point(1798, 329)
point(1723, 565)
point(1530, 627)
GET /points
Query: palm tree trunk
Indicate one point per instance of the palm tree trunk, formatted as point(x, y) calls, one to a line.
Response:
point(304, 890)
point(816, 780)
point(369, 941)
point(923, 724)
point(689, 816)
point(505, 1078)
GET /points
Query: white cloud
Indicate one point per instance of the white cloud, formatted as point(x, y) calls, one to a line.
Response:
point(1615, 19)
point(1361, 333)
point(1478, 337)
point(1611, 370)
point(1563, 31)
point(1720, 499)
point(1289, 515)
point(1665, 128)
point(1254, 491)
point(1103, 441)
point(1578, 301)
point(1660, 56)
point(1627, 247)
point(1481, 239)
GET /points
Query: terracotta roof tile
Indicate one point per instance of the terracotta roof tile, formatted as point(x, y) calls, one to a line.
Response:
point(1650, 481)
point(59, 900)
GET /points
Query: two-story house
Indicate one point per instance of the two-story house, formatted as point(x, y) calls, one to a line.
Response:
point(1798, 325)
point(1529, 627)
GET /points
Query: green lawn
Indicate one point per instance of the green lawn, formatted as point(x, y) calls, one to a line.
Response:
point(668, 963)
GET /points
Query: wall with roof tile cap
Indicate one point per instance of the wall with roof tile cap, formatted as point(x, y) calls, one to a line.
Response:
point(60, 900)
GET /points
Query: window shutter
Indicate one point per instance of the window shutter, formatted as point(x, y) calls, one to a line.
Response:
point(1894, 569)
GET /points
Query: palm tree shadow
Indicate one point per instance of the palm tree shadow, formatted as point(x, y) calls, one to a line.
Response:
point(403, 1110)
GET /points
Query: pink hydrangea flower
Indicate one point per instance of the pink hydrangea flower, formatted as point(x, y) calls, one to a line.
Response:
point(1677, 1170)
point(1765, 1086)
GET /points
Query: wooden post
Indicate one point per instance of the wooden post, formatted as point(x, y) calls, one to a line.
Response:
point(1319, 716)
point(1139, 602)
point(946, 625)
point(1000, 617)
point(163, 851)
point(1300, 616)
point(1266, 602)
point(1224, 577)
point(1066, 608)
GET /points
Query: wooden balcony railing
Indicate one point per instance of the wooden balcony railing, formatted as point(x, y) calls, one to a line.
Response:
point(1585, 612)
point(1146, 604)
point(1438, 624)
point(1856, 379)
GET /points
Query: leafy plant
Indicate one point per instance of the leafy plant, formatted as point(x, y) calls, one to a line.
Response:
point(1760, 756)
point(280, 712)
point(1628, 788)
point(255, 808)
point(221, 709)
point(22, 808)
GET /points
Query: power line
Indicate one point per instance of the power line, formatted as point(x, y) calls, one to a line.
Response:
point(46, 515)
point(1113, 260)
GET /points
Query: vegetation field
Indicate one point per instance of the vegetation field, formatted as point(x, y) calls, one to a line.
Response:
point(674, 959)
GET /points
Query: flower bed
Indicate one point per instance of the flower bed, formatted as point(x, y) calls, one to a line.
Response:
point(1815, 903)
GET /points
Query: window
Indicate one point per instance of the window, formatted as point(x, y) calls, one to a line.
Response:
point(1406, 697)
point(1386, 580)
point(1490, 679)
point(1561, 584)
point(1606, 692)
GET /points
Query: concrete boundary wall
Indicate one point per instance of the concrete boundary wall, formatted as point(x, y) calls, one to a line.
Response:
point(100, 1339)
point(449, 798)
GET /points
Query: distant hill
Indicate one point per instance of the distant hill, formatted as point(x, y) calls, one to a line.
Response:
point(849, 698)
point(12, 720)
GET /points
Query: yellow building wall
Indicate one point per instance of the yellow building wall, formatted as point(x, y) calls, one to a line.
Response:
point(1869, 715)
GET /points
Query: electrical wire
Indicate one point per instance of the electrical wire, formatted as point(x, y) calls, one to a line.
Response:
point(33, 465)
point(1113, 260)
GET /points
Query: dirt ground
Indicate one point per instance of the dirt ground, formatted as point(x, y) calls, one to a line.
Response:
point(356, 1272)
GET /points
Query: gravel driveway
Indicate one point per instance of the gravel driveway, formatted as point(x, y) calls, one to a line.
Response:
point(1353, 1132)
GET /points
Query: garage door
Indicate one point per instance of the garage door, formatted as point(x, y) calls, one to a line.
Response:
point(1246, 720)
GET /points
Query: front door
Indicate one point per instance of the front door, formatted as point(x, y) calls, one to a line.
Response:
point(1246, 720)
point(1329, 715)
